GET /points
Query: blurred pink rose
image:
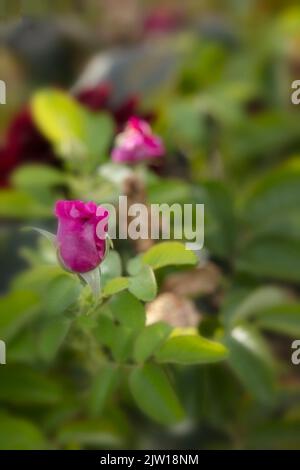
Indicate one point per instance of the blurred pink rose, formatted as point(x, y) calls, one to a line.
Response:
point(137, 143)
point(82, 228)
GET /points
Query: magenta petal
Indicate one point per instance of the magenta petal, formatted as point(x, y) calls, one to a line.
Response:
point(137, 143)
point(81, 247)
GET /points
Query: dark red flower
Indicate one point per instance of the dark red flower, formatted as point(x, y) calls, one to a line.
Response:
point(163, 20)
point(23, 143)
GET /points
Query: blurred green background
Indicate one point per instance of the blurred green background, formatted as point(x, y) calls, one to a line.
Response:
point(214, 78)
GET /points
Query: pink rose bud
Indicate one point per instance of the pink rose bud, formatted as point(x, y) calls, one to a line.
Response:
point(137, 143)
point(81, 234)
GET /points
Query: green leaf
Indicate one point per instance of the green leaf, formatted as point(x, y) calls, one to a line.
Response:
point(102, 387)
point(143, 284)
point(62, 292)
point(19, 204)
point(168, 254)
point(150, 339)
point(34, 175)
point(273, 197)
point(154, 395)
point(258, 300)
point(252, 363)
point(59, 117)
point(99, 130)
point(134, 265)
point(191, 349)
point(51, 338)
point(283, 318)
point(117, 337)
point(275, 258)
point(113, 286)
point(38, 278)
point(23, 386)
point(128, 310)
point(169, 191)
point(17, 309)
point(19, 434)
point(220, 223)
point(90, 432)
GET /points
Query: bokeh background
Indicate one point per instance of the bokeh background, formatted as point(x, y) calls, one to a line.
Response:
point(214, 79)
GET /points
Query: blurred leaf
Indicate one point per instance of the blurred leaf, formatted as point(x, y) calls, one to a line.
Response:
point(31, 175)
point(21, 205)
point(17, 309)
point(97, 433)
point(191, 349)
point(62, 292)
point(51, 338)
point(272, 199)
point(99, 128)
point(258, 300)
point(277, 434)
point(251, 361)
point(143, 284)
point(17, 433)
point(169, 253)
point(220, 223)
point(169, 191)
point(275, 258)
point(21, 385)
point(283, 318)
point(59, 117)
point(71, 127)
point(102, 387)
point(154, 394)
point(150, 338)
point(38, 278)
